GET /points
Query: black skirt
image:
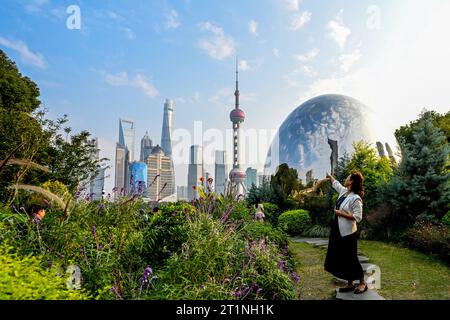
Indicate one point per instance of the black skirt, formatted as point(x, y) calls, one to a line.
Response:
point(342, 255)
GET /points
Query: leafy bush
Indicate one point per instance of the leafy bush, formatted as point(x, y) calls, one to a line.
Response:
point(317, 231)
point(446, 219)
point(217, 263)
point(294, 222)
point(319, 209)
point(25, 279)
point(256, 230)
point(272, 212)
point(429, 238)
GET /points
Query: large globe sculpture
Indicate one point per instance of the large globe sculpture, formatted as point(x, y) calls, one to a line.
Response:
point(302, 140)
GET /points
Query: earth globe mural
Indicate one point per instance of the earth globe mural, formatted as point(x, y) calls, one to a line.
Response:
point(302, 140)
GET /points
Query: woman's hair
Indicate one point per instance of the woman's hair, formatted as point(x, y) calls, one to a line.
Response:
point(357, 183)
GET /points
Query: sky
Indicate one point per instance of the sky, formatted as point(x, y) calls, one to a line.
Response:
point(97, 61)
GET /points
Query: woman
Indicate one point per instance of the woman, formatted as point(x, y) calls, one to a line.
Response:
point(342, 256)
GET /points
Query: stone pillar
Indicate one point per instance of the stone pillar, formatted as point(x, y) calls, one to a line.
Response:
point(334, 155)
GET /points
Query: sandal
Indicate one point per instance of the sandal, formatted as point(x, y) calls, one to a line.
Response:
point(358, 291)
point(347, 289)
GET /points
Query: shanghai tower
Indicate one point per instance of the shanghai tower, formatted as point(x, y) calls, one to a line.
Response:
point(166, 135)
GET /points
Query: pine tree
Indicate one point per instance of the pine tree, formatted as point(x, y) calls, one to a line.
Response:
point(421, 185)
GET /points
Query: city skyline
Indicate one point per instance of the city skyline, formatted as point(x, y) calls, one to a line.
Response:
point(118, 64)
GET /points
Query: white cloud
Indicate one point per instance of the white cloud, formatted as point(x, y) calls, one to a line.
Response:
point(139, 81)
point(35, 6)
point(308, 71)
point(276, 52)
point(243, 65)
point(26, 55)
point(172, 20)
point(253, 27)
point(300, 19)
point(348, 60)
point(129, 33)
point(219, 46)
point(292, 5)
point(309, 56)
point(338, 31)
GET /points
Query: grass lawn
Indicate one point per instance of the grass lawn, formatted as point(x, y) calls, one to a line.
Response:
point(405, 274)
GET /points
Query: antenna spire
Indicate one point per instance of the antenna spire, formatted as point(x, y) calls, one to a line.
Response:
point(236, 93)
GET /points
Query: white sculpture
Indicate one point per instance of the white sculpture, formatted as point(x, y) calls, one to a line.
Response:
point(74, 280)
point(259, 215)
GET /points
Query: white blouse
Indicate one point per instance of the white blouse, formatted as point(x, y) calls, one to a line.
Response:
point(352, 204)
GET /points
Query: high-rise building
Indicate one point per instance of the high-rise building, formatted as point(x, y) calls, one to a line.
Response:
point(251, 178)
point(237, 116)
point(166, 135)
point(263, 179)
point(182, 193)
point(220, 172)
point(126, 136)
point(139, 178)
point(195, 171)
point(159, 175)
point(120, 169)
point(97, 182)
point(124, 155)
point(146, 147)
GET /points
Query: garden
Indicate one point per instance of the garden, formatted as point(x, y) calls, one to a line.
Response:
point(57, 243)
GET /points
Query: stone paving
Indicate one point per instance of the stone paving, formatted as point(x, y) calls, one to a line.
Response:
point(371, 273)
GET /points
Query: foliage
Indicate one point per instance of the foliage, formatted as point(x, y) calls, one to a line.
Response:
point(216, 263)
point(294, 222)
point(421, 185)
point(317, 231)
point(262, 194)
point(319, 208)
point(285, 180)
point(23, 278)
point(256, 230)
point(446, 219)
point(272, 212)
point(429, 238)
point(377, 171)
point(33, 138)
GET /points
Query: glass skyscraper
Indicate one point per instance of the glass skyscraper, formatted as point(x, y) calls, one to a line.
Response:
point(220, 172)
point(138, 173)
point(195, 171)
point(146, 147)
point(166, 135)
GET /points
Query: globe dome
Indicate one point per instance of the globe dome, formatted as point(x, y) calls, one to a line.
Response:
point(237, 115)
point(302, 140)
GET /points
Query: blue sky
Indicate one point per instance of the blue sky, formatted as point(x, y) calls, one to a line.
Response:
point(129, 56)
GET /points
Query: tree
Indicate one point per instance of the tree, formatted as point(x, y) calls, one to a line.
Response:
point(421, 185)
point(285, 180)
point(25, 130)
point(377, 171)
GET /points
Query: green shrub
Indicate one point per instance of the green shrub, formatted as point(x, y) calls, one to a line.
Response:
point(430, 239)
point(272, 212)
point(25, 279)
point(446, 219)
point(319, 209)
point(317, 231)
point(256, 230)
point(294, 222)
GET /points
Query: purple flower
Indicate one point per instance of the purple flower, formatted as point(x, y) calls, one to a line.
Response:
point(94, 232)
point(282, 266)
point(114, 290)
point(145, 281)
point(226, 214)
point(49, 263)
point(294, 277)
point(202, 287)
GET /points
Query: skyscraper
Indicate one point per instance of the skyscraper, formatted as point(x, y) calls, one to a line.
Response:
point(220, 172)
point(159, 175)
point(182, 193)
point(120, 169)
point(97, 182)
point(146, 147)
point(251, 178)
point(124, 155)
point(195, 171)
point(166, 135)
point(126, 136)
point(139, 178)
point(237, 116)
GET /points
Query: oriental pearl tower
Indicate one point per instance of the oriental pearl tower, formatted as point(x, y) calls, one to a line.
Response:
point(237, 116)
